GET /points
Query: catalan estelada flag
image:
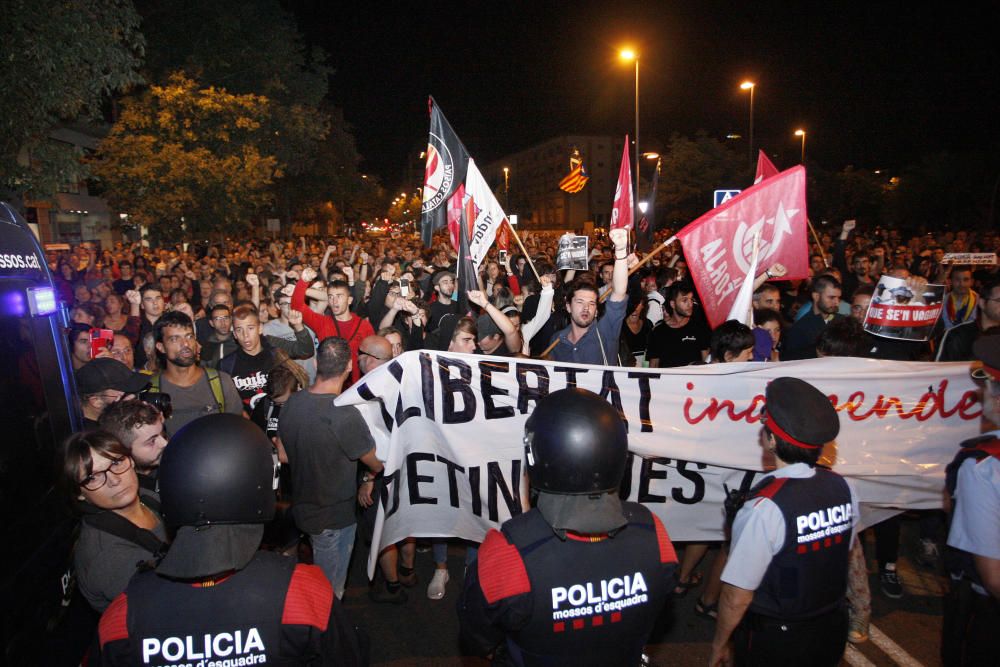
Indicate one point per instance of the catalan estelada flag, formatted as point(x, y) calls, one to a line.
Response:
point(577, 176)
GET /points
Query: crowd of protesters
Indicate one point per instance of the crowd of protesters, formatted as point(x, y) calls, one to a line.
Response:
point(274, 329)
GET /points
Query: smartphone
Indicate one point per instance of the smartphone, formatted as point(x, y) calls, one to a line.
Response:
point(404, 287)
point(502, 256)
point(100, 339)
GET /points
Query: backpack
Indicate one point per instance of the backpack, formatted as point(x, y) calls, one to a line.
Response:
point(214, 381)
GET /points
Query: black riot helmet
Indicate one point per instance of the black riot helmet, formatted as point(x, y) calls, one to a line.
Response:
point(217, 470)
point(575, 443)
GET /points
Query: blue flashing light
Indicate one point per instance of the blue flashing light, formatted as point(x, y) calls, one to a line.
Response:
point(42, 300)
point(12, 304)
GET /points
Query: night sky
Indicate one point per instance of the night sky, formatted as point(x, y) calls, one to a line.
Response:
point(875, 85)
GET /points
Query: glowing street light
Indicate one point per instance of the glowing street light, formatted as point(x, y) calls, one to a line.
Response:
point(628, 55)
point(506, 187)
point(802, 133)
point(751, 86)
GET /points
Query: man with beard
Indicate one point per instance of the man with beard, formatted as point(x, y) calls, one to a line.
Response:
point(800, 343)
point(194, 391)
point(444, 285)
point(139, 426)
point(683, 337)
point(587, 339)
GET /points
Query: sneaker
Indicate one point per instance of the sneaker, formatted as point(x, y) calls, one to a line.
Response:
point(890, 583)
point(435, 589)
point(857, 631)
point(382, 595)
point(928, 555)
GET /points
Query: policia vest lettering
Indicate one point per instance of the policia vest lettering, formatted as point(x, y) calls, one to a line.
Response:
point(594, 603)
point(236, 622)
point(808, 577)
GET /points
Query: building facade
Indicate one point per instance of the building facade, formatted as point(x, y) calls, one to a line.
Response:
point(531, 189)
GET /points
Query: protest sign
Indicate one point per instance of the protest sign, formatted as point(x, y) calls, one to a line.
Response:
point(572, 252)
point(897, 311)
point(449, 429)
point(971, 258)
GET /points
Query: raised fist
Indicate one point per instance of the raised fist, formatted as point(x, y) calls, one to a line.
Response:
point(133, 297)
point(349, 272)
point(477, 297)
point(849, 225)
point(619, 237)
point(295, 319)
point(253, 280)
point(309, 274)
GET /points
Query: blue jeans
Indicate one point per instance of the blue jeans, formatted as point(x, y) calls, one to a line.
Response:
point(332, 553)
point(439, 550)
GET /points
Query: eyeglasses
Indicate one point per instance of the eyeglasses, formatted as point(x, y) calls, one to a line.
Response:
point(96, 480)
point(369, 354)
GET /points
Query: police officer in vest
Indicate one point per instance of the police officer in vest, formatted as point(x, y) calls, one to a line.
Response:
point(783, 595)
point(972, 607)
point(214, 597)
point(581, 578)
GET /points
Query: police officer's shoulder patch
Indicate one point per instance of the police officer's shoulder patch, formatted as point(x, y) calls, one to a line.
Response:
point(309, 598)
point(501, 569)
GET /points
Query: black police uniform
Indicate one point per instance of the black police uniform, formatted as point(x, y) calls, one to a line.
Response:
point(213, 598)
point(798, 609)
point(579, 601)
point(271, 612)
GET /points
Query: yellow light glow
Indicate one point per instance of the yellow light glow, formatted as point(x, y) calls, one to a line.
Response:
point(800, 133)
point(747, 85)
point(651, 156)
point(627, 54)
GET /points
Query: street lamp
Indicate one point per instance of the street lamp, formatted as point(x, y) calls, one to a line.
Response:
point(802, 133)
point(506, 187)
point(628, 55)
point(750, 85)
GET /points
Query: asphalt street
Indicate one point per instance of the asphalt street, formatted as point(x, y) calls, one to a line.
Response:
point(425, 632)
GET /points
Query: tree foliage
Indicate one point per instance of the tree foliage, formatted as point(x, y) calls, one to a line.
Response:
point(61, 60)
point(692, 169)
point(181, 151)
point(253, 47)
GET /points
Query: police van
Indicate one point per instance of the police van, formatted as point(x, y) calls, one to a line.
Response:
point(41, 620)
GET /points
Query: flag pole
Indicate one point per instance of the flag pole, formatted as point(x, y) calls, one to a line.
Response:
point(526, 255)
point(643, 262)
point(816, 241)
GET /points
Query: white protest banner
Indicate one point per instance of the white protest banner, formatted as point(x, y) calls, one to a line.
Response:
point(896, 311)
point(449, 429)
point(972, 258)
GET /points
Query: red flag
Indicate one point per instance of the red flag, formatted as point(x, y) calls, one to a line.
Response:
point(765, 168)
point(503, 237)
point(719, 244)
point(455, 206)
point(621, 211)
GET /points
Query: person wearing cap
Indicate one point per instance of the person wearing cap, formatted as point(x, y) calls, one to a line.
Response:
point(214, 595)
point(972, 606)
point(444, 286)
point(582, 577)
point(497, 334)
point(784, 585)
point(589, 339)
point(102, 382)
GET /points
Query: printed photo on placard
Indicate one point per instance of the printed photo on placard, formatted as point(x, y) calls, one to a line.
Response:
point(897, 311)
point(572, 253)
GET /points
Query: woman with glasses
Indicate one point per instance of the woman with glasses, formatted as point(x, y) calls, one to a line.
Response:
point(118, 531)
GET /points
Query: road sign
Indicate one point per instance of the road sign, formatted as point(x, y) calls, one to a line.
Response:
point(722, 196)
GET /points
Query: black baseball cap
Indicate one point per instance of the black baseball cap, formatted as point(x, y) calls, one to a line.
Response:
point(102, 374)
